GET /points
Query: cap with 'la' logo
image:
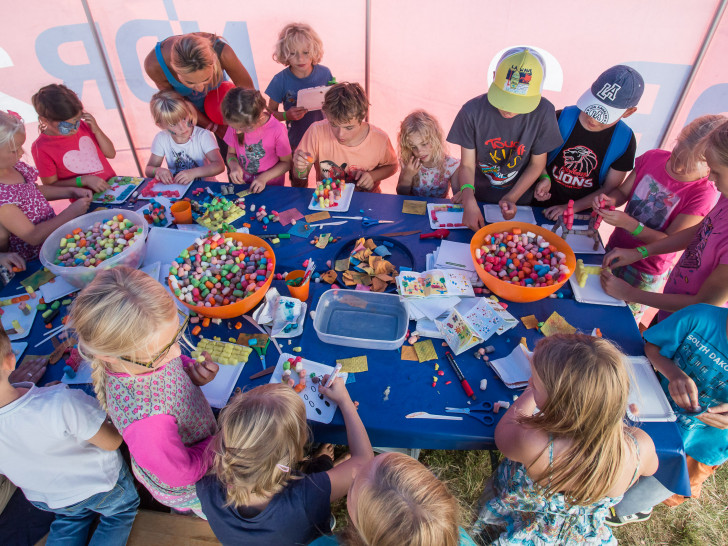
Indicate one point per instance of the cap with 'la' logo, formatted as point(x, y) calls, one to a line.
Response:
point(614, 91)
point(518, 81)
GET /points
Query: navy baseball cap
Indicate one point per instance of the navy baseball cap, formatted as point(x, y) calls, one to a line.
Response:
point(615, 90)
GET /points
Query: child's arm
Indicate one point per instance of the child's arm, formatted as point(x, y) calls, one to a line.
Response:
point(292, 114)
point(107, 438)
point(472, 217)
point(215, 167)
point(673, 243)
point(236, 171)
point(543, 186)
point(533, 170)
point(95, 183)
point(620, 219)
point(279, 169)
point(342, 475)
point(154, 169)
point(612, 182)
point(368, 180)
point(512, 438)
point(407, 175)
point(15, 221)
point(53, 193)
point(107, 147)
point(302, 163)
point(12, 260)
point(617, 196)
point(682, 389)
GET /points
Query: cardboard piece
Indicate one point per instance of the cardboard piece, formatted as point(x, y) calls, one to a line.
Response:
point(556, 324)
point(323, 240)
point(530, 322)
point(329, 276)
point(354, 365)
point(409, 353)
point(425, 350)
point(341, 265)
point(288, 215)
point(414, 207)
point(38, 279)
point(317, 217)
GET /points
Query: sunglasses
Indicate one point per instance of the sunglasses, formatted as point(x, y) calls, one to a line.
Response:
point(66, 127)
point(165, 350)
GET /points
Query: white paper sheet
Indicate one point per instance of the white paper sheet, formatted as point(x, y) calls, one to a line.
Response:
point(433, 307)
point(82, 377)
point(580, 244)
point(218, 390)
point(645, 391)
point(312, 98)
point(51, 291)
point(592, 292)
point(514, 369)
point(453, 255)
point(493, 214)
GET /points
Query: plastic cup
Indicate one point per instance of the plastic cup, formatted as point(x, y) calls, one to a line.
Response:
point(182, 212)
point(298, 292)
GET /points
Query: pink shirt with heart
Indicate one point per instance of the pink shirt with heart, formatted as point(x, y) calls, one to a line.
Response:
point(70, 156)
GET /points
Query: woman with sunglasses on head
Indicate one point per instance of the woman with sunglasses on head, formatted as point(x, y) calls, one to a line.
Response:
point(71, 149)
point(129, 327)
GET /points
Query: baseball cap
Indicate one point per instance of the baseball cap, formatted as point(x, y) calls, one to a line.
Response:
point(518, 81)
point(615, 90)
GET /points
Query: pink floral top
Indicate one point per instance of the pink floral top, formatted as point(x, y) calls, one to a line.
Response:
point(430, 182)
point(167, 424)
point(28, 198)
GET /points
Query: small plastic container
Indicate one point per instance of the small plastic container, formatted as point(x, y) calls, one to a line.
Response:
point(80, 276)
point(369, 320)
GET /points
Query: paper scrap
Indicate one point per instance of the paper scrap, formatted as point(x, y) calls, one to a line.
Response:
point(38, 279)
point(341, 265)
point(530, 322)
point(363, 287)
point(378, 285)
point(409, 353)
point(354, 365)
point(243, 193)
point(414, 207)
point(382, 250)
point(353, 301)
point(301, 230)
point(329, 276)
point(556, 324)
point(317, 216)
point(244, 339)
point(288, 215)
point(27, 358)
point(323, 240)
point(425, 350)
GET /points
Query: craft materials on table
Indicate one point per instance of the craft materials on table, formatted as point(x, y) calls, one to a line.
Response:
point(121, 188)
point(101, 241)
point(458, 372)
point(218, 271)
point(556, 324)
point(154, 188)
point(366, 221)
point(425, 415)
point(410, 206)
point(354, 365)
point(222, 352)
point(587, 286)
point(522, 258)
point(494, 214)
point(440, 233)
point(332, 195)
point(565, 223)
point(436, 282)
point(578, 239)
point(284, 315)
point(217, 212)
point(289, 216)
point(462, 331)
point(646, 393)
point(515, 369)
point(38, 279)
point(17, 318)
point(482, 411)
point(156, 213)
point(452, 255)
point(445, 215)
point(371, 263)
point(302, 371)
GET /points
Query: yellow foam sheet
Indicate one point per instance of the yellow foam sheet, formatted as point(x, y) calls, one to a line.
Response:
point(425, 350)
point(409, 353)
point(530, 322)
point(354, 365)
point(556, 324)
point(414, 207)
point(317, 216)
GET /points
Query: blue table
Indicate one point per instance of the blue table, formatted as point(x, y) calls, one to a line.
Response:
point(410, 382)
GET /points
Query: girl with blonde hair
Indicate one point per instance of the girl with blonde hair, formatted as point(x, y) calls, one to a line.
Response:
point(396, 500)
point(300, 50)
point(569, 455)
point(256, 494)
point(128, 327)
point(665, 193)
point(426, 167)
point(26, 216)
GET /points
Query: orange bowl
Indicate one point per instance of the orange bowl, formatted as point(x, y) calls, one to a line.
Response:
point(246, 304)
point(514, 292)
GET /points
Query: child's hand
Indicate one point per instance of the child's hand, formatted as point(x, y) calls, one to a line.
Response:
point(201, 373)
point(553, 213)
point(30, 370)
point(12, 260)
point(295, 113)
point(616, 287)
point(302, 161)
point(541, 192)
point(608, 201)
point(716, 416)
point(336, 392)
point(683, 390)
point(615, 218)
point(94, 183)
point(90, 121)
point(508, 209)
point(80, 206)
point(184, 177)
point(619, 257)
point(257, 185)
point(236, 173)
point(412, 167)
point(472, 217)
point(81, 193)
point(164, 176)
point(364, 180)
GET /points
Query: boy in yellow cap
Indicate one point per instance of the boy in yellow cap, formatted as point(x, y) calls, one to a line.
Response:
point(504, 136)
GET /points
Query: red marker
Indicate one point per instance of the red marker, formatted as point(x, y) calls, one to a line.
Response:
point(461, 377)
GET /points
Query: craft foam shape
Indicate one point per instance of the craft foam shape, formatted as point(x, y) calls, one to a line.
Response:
point(583, 271)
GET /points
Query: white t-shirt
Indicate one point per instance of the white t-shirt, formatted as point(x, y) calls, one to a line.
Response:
point(44, 448)
point(189, 155)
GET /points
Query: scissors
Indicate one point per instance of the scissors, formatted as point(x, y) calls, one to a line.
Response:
point(482, 412)
point(366, 221)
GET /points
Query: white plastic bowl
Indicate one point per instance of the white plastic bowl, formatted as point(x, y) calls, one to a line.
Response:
point(80, 276)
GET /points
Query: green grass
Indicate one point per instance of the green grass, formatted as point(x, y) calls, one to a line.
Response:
point(697, 522)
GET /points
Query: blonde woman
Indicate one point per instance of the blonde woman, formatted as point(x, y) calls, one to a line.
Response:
point(128, 327)
point(256, 494)
point(395, 500)
point(426, 167)
point(569, 456)
point(193, 65)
